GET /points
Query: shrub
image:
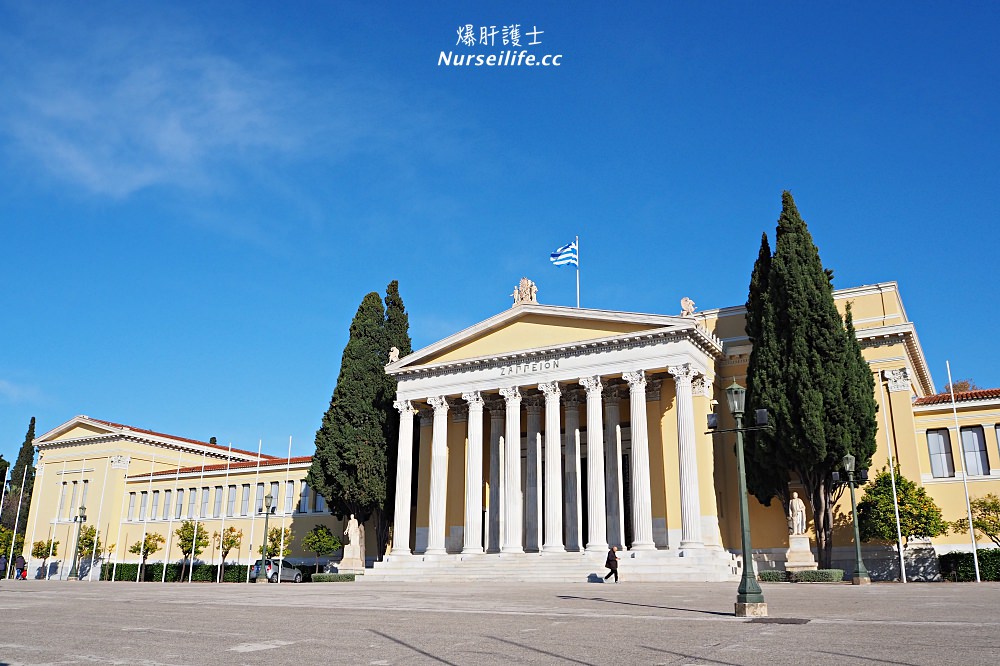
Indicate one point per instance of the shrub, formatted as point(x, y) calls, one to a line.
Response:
point(773, 576)
point(332, 578)
point(205, 573)
point(959, 567)
point(819, 576)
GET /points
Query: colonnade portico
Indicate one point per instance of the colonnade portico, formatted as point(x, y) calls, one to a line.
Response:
point(545, 513)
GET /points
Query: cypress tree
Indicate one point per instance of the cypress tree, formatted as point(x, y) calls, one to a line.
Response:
point(808, 374)
point(397, 329)
point(349, 466)
point(25, 461)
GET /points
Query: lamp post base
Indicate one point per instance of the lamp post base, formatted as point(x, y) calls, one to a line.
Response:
point(861, 580)
point(757, 609)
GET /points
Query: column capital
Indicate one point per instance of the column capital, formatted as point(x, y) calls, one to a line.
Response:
point(533, 403)
point(550, 390)
point(438, 403)
point(571, 397)
point(403, 406)
point(594, 385)
point(683, 374)
point(459, 410)
point(426, 417)
point(510, 393)
point(495, 405)
point(636, 380)
point(653, 392)
point(702, 386)
point(473, 398)
point(899, 379)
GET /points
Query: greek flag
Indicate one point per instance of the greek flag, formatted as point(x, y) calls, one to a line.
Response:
point(567, 254)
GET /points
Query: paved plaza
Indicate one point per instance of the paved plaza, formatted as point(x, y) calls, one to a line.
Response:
point(574, 623)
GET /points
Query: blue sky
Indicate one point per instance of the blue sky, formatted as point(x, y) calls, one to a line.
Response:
point(197, 196)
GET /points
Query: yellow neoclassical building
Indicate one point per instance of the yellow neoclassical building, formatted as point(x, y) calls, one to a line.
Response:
point(532, 441)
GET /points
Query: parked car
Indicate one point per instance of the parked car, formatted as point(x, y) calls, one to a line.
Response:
point(272, 565)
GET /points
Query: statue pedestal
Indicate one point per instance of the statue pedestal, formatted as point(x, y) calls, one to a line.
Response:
point(799, 556)
point(351, 565)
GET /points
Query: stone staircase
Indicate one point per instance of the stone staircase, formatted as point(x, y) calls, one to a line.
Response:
point(703, 565)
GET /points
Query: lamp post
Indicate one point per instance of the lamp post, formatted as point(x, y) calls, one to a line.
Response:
point(749, 597)
point(262, 572)
point(861, 576)
point(74, 574)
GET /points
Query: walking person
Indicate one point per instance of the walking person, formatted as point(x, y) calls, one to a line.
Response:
point(3, 566)
point(612, 563)
point(19, 567)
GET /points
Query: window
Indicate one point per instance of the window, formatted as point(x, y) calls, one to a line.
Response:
point(62, 500)
point(304, 497)
point(180, 503)
point(977, 463)
point(167, 496)
point(939, 446)
point(131, 506)
point(231, 504)
point(143, 502)
point(289, 496)
point(217, 509)
point(259, 505)
point(245, 504)
point(192, 501)
point(72, 504)
point(320, 506)
point(155, 508)
point(204, 501)
point(275, 496)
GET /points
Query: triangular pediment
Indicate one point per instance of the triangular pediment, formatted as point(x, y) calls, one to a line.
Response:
point(79, 427)
point(527, 327)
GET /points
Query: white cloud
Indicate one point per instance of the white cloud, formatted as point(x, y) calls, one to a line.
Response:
point(19, 393)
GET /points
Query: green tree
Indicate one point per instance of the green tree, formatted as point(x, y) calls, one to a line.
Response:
point(43, 550)
point(397, 331)
point(919, 516)
point(4, 466)
point(23, 470)
point(985, 518)
point(6, 536)
point(90, 542)
point(146, 547)
point(349, 466)
point(808, 373)
point(322, 541)
point(191, 540)
point(274, 542)
point(229, 539)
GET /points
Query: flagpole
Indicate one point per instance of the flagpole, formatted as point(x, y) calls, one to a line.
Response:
point(97, 525)
point(13, 537)
point(892, 478)
point(577, 272)
point(253, 511)
point(281, 551)
point(965, 482)
point(225, 510)
point(194, 541)
point(174, 501)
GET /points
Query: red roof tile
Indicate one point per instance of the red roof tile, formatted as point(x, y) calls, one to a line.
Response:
point(963, 396)
point(180, 439)
point(218, 467)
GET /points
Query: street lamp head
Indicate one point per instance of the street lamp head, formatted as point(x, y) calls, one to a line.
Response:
point(268, 499)
point(847, 462)
point(83, 514)
point(736, 396)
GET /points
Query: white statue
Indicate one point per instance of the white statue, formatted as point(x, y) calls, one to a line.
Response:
point(797, 514)
point(687, 307)
point(352, 549)
point(393, 354)
point(525, 292)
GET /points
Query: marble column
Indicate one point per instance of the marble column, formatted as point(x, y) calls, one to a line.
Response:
point(439, 477)
point(553, 471)
point(574, 500)
point(642, 502)
point(533, 476)
point(493, 538)
point(613, 468)
point(597, 524)
point(512, 505)
point(473, 533)
point(687, 456)
point(404, 479)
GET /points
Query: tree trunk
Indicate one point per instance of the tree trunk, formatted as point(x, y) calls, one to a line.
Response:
point(822, 523)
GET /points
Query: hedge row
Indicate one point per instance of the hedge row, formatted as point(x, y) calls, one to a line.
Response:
point(817, 576)
point(961, 568)
point(333, 578)
point(206, 573)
